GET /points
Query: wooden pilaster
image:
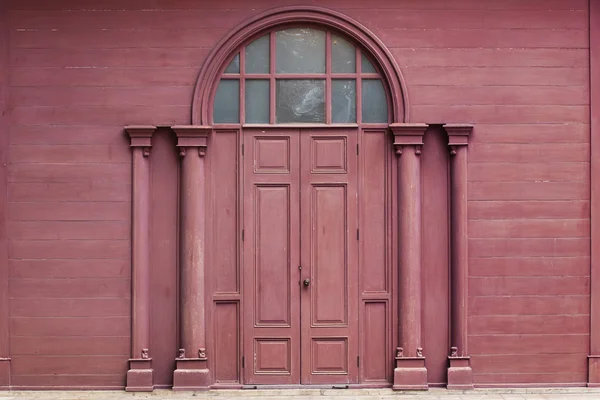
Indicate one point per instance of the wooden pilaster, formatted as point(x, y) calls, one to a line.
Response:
point(140, 374)
point(410, 371)
point(192, 369)
point(460, 374)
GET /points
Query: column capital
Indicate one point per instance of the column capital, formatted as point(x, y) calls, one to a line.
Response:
point(458, 134)
point(192, 136)
point(140, 135)
point(408, 135)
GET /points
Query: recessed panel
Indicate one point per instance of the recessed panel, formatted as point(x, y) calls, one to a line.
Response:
point(329, 356)
point(272, 255)
point(272, 155)
point(374, 266)
point(226, 345)
point(328, 155)
point(329, 255)
point(375, 348)
point(272, 356)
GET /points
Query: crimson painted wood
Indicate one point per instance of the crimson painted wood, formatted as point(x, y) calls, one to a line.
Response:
point(594, 352)
point(139, 376)
point(460, 374)
point(410, 372)
point(514, 261)
point(192, 372)
point(4, 141)
point(435, 255)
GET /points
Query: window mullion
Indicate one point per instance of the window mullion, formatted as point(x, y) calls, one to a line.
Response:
point(272, 85)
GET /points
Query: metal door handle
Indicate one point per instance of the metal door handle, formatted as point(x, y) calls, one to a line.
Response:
point(306, 282)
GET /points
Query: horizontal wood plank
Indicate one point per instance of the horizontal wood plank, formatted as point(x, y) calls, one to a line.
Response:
point(530, 266)
point(69, 268)
point(83, 288)
point(529, 324)
point(52, 307)
point(578, 304)
point(68, 364)
point(57, 345)
point(508, 247)
point(70, 211)
point(528, 285)
point(76, 230)
point(528, 228)
point(528, 191)
point(41, 327)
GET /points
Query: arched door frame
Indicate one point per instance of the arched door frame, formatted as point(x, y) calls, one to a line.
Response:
point(193, 363)
point(211, 69)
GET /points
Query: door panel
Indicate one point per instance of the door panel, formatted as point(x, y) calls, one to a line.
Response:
point(328, 190)
point(271, 257)
point(300, 222)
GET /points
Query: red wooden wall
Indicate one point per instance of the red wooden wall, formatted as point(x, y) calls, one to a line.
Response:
point(79, 71)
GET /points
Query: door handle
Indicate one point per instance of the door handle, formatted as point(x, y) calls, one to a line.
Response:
point(306, 282)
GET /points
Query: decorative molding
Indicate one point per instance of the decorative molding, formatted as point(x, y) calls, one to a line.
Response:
point(192, 136)
point(458, 134)
point(408, 135)
point(141, 135)
point(257, 25)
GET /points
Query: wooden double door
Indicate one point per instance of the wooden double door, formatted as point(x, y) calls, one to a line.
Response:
point(300, 256)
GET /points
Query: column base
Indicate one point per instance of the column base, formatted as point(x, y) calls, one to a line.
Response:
point(140, 375)
point(593, 371)
point(4, 373)
point(460, 374)
point(410, 374)
point(191, 374)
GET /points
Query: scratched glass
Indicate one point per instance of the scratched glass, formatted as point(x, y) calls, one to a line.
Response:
point(343, 101)
point(300, 100)
point(300, 51)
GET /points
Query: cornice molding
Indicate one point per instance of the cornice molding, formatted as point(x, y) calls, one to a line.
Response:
point(458, 134)
point(192, 136)
point(140, 135)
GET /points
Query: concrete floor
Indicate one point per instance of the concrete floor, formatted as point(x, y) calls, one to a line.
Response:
point(314, 394)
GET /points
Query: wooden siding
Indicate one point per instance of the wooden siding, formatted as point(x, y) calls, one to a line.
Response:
point(79, 72)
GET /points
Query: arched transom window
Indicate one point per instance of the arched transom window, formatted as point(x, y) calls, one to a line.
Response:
point(300, 75)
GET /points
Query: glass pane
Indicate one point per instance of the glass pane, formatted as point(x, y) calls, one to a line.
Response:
point(300, 100)
point(374, 102)
point(234, 66)
point(343, 55)
point(227, 102)
point(343, 101)
point(257, 101)
point(257, 56)
point(300, 51)
point(367, 66)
